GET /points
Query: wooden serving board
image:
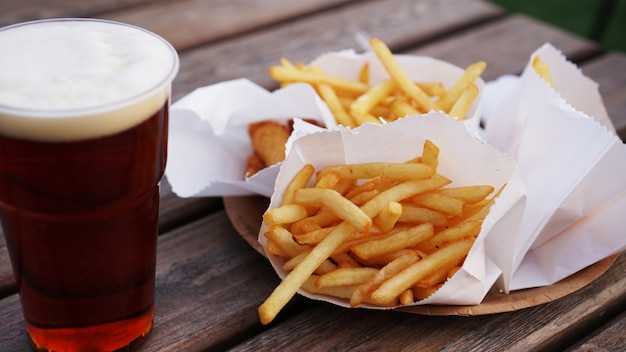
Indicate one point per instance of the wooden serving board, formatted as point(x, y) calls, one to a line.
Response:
point(246, 212)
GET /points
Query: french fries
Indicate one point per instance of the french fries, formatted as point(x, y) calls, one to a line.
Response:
point(397, 245)
point(543, 70)
point(355, 102)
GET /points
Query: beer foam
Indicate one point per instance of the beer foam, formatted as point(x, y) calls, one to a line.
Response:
point(72, 79)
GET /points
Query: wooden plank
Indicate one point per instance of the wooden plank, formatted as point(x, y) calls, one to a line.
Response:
point(609, 71)
point(609, 337)
point(397, 22)
point(506, 45)
point(28, 10)
point(547, 327)
point(193, 22)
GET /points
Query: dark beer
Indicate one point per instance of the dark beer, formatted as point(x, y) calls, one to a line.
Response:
point(79, 211)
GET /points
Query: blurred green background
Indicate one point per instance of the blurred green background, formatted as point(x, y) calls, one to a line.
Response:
point(603, 21)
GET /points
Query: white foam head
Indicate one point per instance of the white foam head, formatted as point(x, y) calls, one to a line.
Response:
point(73, 79)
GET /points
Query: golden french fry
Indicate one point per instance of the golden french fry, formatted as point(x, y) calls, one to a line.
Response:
point(392, 288)
point(335, 291)
point(303, 226)
point(328, 181)
point(420, 293)
point(465, 229)
point(386, 170)
point(283, 240)
point(312, 237)
point(346, 277)
point(404, 82)
point(397, 241)
point(364, 197)
point(365, 102)
point(345, 260)
point(282, 73)
point(364, 117)
point(430, 155)
point(334, 104)
point(416, 215)
point(334, 201)
point(300, 180)
point(364, 73)
point(435, 201)
point(433, 89)
point(284, 214)
point(401, 108)
point(406, 297)
point(298, 276)
point(468, 194)
point(543, 70)
point(471, 73)
point(361, 293)
point(324, 268)
point(402, 191)
point(462, 105)
point(388, 217)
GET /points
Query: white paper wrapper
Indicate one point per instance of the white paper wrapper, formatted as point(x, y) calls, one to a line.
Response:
point(574, 171)
point(463, 158)
point(209, 143)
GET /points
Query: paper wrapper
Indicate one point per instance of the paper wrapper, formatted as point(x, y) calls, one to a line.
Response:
point(574, 171)
point(209, 142)
point(463, 158)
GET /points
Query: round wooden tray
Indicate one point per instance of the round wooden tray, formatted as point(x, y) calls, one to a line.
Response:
point(245, 214)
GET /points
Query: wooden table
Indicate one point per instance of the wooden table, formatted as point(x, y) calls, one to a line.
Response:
point(210, 281)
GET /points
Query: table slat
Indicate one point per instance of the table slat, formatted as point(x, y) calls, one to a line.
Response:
point(609, 337)
point(548, 327)
point(191, 23)
point(397, 22)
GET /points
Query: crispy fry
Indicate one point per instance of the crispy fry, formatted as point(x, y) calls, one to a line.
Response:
point(282, 73)
point(297, 277)
point(341, 206)
point(468, 194)
point(386, 170)
point(388, 217)
point(400, 240)
point(464, 102)
point(300, 180)
point(471, 73)
point(359, 235)
point(285, 214)
point(403, 81)
point(362, 291)
point(435, 201)
point(345, 277)
point(392, 288)
point(543, 70)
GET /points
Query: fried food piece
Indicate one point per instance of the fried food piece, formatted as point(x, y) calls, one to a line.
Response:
point(268, 141)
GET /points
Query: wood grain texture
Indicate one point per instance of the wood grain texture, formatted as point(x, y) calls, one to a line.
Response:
point(191, 23)
point(506, 45)
point(28, 10)
point(549, 327)
point(397, 22)
point(608, 337)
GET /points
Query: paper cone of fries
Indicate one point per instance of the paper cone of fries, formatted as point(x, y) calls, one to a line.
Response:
point(463, 158)
point(574, 170)
point(209, 141)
